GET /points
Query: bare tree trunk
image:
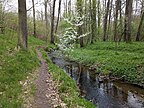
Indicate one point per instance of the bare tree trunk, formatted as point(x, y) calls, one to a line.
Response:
point(105, 20)
point(34, 20)
point(23, 35)
point(46, 18)
point(59, 11)
point(116, 20)
point(99, 18)
point(80, 31)
point(93, 21)
point(128, 20)
point(139, 28)
point(52, 22)
point(109, 20)
point(121, 21)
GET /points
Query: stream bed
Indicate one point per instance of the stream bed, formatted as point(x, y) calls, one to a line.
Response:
point(104, 94)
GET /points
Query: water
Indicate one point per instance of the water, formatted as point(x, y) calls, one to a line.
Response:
point(105, 94)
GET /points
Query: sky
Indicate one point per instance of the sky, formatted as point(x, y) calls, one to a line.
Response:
point(13, 6)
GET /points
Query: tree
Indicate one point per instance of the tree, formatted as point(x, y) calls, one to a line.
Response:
point(140, 27)
point(46, 18)
point(99, 17)
point(52, 22)
point(140, 24)
point(105, 20)
point(116, 20)
point(93, 21)
point(80, 12)
point(59, 10)
point(34, 19)
point(128, 20)
point(22, 13)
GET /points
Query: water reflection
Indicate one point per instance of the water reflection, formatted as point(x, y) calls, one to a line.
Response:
point(106, 94)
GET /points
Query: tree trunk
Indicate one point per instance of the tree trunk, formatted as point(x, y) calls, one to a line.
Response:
point(93, 21)
point(59, 10)
point(105, 20)
point(99, 18)
point(109, 19)
point(139, 28)
point(46, 18)
point(80, 11)
point(52, 22)
point(23, 35)
point(128, 20)
point(34, 20)
point(116, 20)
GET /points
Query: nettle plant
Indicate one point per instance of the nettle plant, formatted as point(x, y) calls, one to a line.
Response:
point(68, 38)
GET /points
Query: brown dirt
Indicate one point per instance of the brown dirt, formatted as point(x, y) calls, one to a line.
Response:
point(46, 95)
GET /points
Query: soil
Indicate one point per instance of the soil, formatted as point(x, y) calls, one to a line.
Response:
point(46, 94)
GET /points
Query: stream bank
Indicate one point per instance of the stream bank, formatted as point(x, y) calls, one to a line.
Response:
point(104, 93)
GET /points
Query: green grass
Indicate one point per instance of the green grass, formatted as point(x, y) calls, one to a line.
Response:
point(15, 65)
point(67, 87)
point(125, 60)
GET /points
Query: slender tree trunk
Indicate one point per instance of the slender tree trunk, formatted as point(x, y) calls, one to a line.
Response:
point(59, 11)
point(34, 19)
point(23, 34)
point(46, 18)
point(79, 8)
point(128, 20)
point(52, 22)
point(116, 20)
point(121, 20)
point(105, 20)
point(139, 28)
point(99, 17)
point(93, 21)
point(109, 20)
point(90, 21)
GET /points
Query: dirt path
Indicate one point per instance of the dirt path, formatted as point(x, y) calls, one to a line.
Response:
point(46, 93)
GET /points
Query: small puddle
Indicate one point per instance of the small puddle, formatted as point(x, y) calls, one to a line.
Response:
point(105, 94)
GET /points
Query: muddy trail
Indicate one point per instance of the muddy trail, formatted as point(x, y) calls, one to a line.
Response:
point(46, 95)
point(106, 93)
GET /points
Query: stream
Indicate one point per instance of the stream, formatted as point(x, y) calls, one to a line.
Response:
point(104, 94)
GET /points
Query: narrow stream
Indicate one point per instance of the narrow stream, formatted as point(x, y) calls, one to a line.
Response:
point(106, 94)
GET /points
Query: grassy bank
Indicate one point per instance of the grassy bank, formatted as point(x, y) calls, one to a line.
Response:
point(67, 87)
point(15, 65)
point(125, 60)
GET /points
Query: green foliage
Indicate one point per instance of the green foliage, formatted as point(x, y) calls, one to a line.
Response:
point(67, 87)
point(15, 65)
point(125, 60)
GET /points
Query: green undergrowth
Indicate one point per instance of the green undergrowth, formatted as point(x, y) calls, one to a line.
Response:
point(123, 60)
point(67, 87)
point(15, 66)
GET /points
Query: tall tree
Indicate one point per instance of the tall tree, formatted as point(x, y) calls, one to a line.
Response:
point(52, 22)
point(105, 20)
point(46, 18)
point(140, 27)
point(23, 35)
point(128, 20)
point(59, 10)
point(93, 21)
point(80, 11)
point(109, 19)
point(116, 20)
point(99, 17)
point(34, 19)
